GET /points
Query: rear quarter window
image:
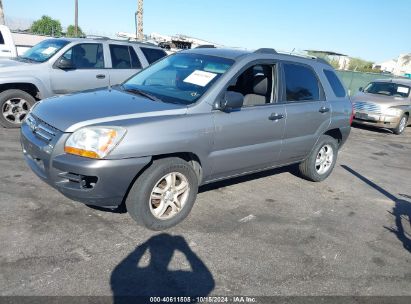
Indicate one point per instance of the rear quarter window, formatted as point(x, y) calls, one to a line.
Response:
point(153, 55)
point(335, 83)
point(301, 83)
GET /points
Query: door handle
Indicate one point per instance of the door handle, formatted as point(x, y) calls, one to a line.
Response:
point(324, 110)
point(275, 116)
point(100, 76)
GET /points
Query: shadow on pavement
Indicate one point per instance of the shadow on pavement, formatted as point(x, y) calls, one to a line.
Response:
point(129, 280)
point(401, 210)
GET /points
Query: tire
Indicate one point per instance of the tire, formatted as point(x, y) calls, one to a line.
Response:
point(402, 125)
point(14, 106)
point(316, 172)
point(146, 210)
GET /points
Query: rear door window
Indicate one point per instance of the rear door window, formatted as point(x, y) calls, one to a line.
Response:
point(124, 57)
point(301, 83)
point(335, 83)
point(153, 55)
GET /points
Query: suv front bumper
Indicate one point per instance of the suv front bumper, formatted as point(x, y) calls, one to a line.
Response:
point(102, 183)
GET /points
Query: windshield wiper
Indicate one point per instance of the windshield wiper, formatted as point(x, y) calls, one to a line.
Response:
point(142, 93)
point(26, 59)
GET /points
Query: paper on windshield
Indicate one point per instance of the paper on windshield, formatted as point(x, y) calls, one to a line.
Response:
point(50, 50)
point(200, 78)
point(404, 90)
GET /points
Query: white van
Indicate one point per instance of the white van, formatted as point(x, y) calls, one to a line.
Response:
point(15, 44)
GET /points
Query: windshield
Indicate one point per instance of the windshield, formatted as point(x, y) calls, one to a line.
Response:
point(44, 50)
point(388, 89)
point(180, 78)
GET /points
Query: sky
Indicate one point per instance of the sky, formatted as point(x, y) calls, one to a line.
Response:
point(375, 30)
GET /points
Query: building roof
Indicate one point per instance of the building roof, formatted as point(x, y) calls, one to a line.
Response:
point(330, 53)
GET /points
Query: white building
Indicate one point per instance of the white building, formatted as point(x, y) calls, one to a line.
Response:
point(399, 67)
point(403, 65)
point(343, 62)
point(386, 66)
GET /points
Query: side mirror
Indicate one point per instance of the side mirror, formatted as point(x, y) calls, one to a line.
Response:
point(65, 64)
point(232, 100)
point(361, 89)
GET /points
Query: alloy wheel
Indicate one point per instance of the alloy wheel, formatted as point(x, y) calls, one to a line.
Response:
point(169, 195)
point(15, 110)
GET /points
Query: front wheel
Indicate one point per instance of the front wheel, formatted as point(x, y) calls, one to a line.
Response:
point(401, 125)
point(163, 195)
point(14, 105)
point(321, 161)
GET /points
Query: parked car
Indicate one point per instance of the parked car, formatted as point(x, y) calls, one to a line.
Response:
point(193, 118)
point(14, 44)
point(63, 66)
point(384, 103)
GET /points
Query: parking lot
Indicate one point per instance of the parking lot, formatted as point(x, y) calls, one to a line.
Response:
point(266, 234)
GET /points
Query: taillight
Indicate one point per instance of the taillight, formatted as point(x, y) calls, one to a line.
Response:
point(352, 114)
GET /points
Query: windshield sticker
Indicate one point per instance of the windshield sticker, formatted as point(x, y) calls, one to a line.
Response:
point(200, 78)
point(50, 50)
point(404, 90)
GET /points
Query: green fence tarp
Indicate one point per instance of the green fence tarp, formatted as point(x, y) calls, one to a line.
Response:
point(353, 81)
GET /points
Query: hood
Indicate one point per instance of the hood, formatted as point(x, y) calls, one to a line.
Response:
point(15, 68)
point(71, 112)
point(383, 101)
point(12, 64)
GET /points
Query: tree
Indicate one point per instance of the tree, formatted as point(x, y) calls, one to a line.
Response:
point(71, 31)
point(47, 26)
point(360, 65)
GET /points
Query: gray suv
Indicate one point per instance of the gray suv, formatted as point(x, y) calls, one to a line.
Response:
point(193, 118)
point(62, 66)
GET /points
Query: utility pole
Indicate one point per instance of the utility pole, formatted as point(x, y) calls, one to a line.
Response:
point(140, 30)
point(1, 13)
point(75, 18)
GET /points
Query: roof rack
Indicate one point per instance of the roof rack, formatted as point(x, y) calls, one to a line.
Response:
point(265, 51)
point(97, 37)
point(206, 46)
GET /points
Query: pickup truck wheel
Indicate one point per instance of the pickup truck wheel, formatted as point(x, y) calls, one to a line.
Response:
point(14, 105)
point(321, 161)
point(163, 195)
point(402, 125)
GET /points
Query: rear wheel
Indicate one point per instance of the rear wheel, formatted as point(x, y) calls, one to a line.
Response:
point(164, 194)
point(321, 161)
point(402, 125)
point(14, 105)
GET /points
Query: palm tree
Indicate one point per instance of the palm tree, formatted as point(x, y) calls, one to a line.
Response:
point(407, 59)
point(1, 13)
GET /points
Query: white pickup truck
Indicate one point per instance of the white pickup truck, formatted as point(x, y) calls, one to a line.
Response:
point(15, 44)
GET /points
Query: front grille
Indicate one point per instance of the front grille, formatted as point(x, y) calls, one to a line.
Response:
point(41, 129)
point(367, 107)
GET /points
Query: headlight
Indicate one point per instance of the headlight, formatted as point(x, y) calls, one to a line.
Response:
point(94, 142)
point(393, 112)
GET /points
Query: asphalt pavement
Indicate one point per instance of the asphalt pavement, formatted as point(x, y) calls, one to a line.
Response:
point(271, 233)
